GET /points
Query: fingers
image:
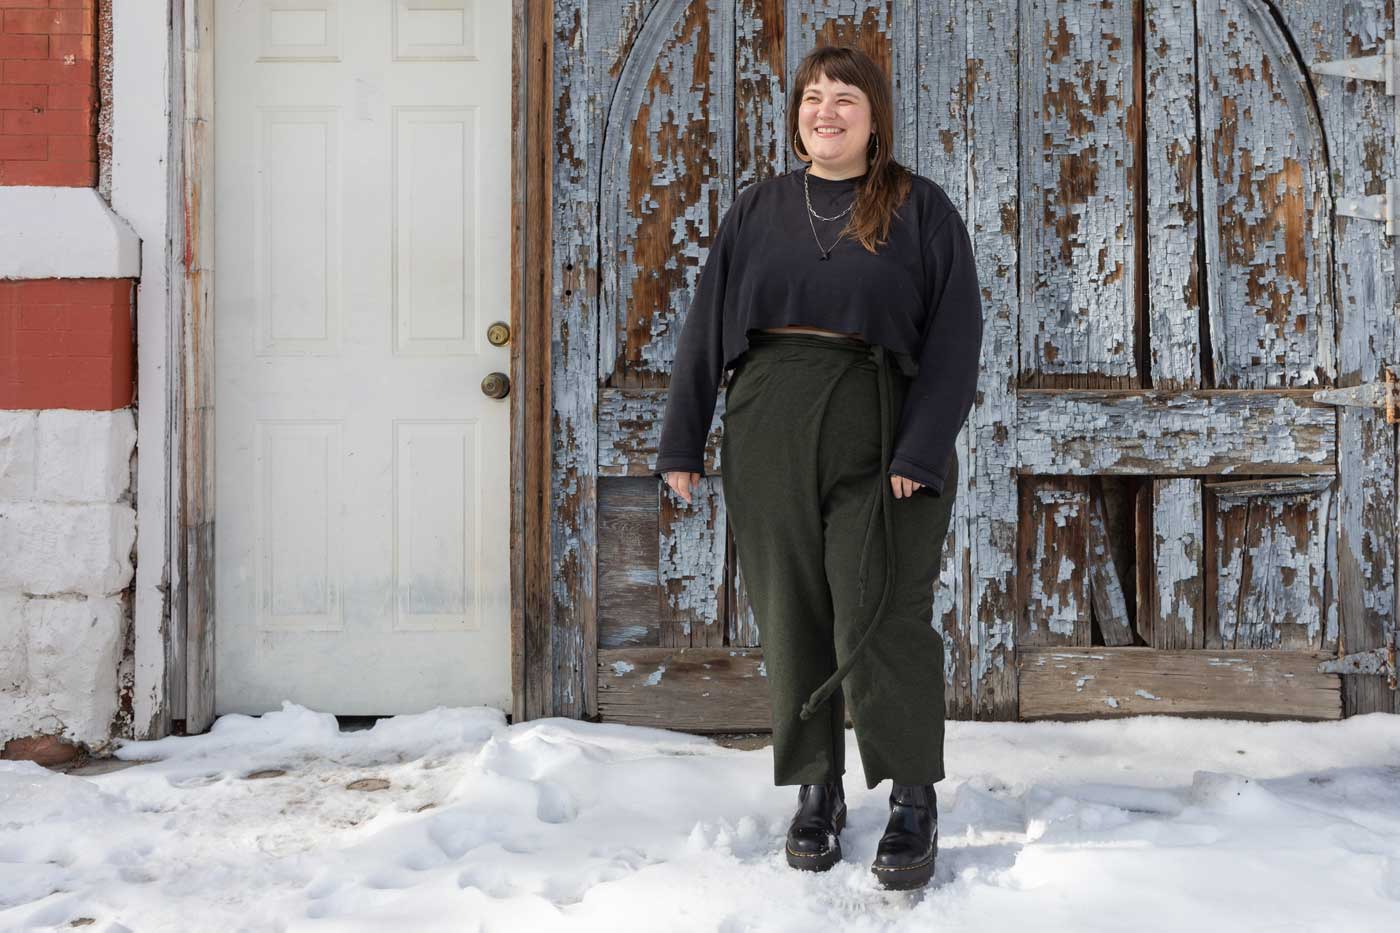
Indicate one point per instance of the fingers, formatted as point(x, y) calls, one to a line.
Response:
point(683, 483)
point(903, 486)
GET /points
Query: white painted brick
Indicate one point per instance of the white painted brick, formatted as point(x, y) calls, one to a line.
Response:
point(13, 664)
point(74, 649)
point(50, 548)
point(17, 429)
point(84, 456)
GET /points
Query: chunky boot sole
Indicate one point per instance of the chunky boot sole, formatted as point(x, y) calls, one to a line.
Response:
point(818, 861)
point(907, 877)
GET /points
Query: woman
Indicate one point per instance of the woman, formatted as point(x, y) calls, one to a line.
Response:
point(837, 462)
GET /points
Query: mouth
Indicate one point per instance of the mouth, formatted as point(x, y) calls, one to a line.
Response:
point(827, 132)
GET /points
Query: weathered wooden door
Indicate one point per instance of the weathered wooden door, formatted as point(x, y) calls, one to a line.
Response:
point(1156, 514)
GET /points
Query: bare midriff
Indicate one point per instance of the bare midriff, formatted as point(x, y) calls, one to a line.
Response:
point(794, 329)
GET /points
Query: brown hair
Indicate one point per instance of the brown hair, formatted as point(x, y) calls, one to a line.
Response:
point(887, 183)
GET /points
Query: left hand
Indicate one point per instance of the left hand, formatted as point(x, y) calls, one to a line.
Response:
point(903, 486)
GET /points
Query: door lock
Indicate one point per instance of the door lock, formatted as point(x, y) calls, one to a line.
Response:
point(496, 385)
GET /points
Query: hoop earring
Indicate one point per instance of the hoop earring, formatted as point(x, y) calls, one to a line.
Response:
point(797, 147)
point(877, 145)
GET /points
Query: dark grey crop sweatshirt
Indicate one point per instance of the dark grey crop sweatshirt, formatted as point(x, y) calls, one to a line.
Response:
point(917, 296)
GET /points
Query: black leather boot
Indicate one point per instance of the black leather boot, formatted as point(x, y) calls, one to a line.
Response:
point(813, 840)
point(905, 856)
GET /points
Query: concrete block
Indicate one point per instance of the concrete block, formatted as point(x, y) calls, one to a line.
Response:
point(84, 456)
point(50, 548)
point(74, 647)
point(14, 668)
point(17, 432)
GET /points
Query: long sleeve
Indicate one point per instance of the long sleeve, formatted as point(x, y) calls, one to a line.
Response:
point(941, 395)
point(699, 362)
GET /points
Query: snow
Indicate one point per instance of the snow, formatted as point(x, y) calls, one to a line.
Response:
point(1149, 823)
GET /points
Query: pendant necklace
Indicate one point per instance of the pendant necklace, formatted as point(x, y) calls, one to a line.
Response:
point(826, 250)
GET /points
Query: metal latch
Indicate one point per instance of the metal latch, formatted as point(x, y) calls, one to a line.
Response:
point(1384, 394)
point(1376, 661)
point(1367, 68)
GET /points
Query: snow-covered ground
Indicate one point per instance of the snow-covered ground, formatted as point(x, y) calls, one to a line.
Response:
point(1141, 824)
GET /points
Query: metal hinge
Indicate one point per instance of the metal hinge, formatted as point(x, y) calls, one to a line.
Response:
point(1376, 661)
point(1381, 67)
point(1367, 68)
point(1384, 394)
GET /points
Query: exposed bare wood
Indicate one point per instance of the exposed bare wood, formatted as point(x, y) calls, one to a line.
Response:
point(938, 97)
point(1359, 119)
point(761, 147)
point(691, 689)
point(1083, 683)
point(629, 428)
point(993, 218)
point(1054, 567)
point(627, 562)
point(1177, 559)
point(666, 180)
point(1105, 587)
point(742, 626)
point(691, 566)
point(1206, 431)
point(1172, 272)
point(1079, 229)
point(1265, 203)
point(1270, 551)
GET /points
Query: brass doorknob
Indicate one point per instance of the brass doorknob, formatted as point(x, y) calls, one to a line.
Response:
point(498, 334)
point(496, 385)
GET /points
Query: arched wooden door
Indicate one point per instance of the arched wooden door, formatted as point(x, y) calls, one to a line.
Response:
point(1158, 516)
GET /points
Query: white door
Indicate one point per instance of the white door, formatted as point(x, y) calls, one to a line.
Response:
point(362, 250)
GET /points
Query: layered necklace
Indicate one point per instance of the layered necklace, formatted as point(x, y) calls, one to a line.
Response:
point(807, 191)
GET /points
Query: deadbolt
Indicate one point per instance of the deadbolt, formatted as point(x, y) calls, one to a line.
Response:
point(496, 385)
point(498, 333)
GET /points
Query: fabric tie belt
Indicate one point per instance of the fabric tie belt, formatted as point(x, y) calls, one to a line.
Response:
point(882, 504)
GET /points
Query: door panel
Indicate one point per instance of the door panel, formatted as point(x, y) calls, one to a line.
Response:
point(362, 215)
point(1149, 186)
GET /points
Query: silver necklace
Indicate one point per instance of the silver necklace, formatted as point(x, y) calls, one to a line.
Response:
point(826, 250)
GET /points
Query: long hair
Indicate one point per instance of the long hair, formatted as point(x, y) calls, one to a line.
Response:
point(888, 182)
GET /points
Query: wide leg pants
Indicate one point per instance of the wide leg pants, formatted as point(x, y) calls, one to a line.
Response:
point(801, 471)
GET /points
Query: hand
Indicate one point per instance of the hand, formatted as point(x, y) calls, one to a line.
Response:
point(903, 486)
point(683, 483)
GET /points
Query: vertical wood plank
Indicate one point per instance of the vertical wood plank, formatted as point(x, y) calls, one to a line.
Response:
point(1105, 587)
point(627, 562)
point(1173, 269)
point(1054, 580)
point(1078, 183)
point(1360, 124)
point(743, 627)
point(940, 96)
point(1264, 203)
point(762, 149)
point(1177, 524)
point(993, 216)
point(691, 551)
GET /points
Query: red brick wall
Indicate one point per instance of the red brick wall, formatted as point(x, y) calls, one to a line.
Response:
point(48, 92)
point(66, 343)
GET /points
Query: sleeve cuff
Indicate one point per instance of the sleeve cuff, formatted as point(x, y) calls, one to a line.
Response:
point(919, 474)
point(677, 463)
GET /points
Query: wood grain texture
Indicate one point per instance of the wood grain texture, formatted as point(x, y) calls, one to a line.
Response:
point(1088, 683)
point(629, 429)
point(1265, 202)
point(993, 219)
point(1079, 271)
point(1173, 433)
point(1359, 119)
point(691, 566)
point(690, 689)
point(1105, 585)
point(1268, 585)
point(1173, 271)
point(628, 545)
point(1054, 568)
point(1176, 597)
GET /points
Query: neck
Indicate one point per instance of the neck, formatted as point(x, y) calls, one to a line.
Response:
point(833, 172)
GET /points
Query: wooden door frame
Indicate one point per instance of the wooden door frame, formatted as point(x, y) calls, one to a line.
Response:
point(184, 697)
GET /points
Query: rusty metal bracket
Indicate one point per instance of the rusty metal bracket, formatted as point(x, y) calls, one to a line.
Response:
point(1380, 207)
point(1384, 394)
point(1367, 68)
point(1379, 661)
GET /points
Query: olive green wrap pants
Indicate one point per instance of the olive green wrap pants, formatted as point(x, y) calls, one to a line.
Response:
point(803, 466)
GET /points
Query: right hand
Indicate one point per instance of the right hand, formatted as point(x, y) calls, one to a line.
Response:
point(683, 483)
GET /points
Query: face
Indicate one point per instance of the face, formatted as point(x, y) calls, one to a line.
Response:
point(834, 123)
